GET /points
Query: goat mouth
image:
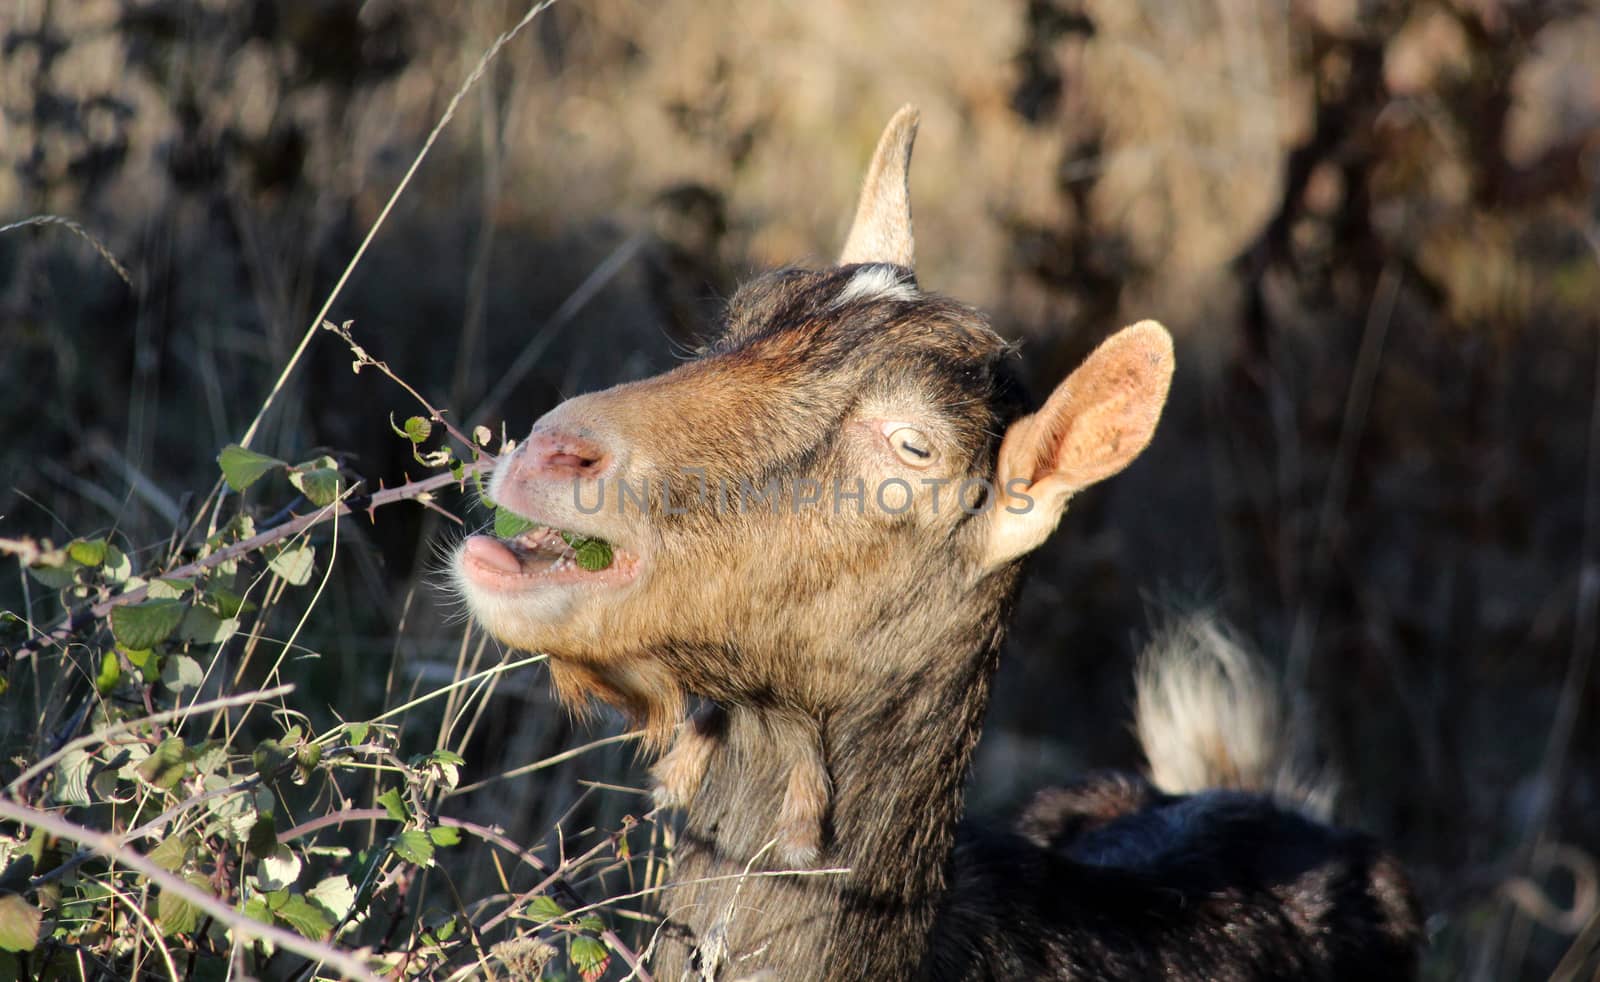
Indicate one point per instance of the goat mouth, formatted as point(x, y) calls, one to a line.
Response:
point(545, 555)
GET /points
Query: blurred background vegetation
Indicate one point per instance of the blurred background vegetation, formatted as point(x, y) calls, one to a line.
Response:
point(1373, 226)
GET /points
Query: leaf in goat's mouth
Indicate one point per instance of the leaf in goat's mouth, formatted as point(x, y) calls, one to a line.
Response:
point(509, 525)
point(593, 555)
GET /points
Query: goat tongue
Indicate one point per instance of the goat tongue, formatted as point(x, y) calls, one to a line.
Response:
point(492, 554)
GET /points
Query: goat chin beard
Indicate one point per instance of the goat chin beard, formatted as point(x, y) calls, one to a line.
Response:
point(642, 689)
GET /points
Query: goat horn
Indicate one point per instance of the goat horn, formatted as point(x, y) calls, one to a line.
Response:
point(881, 232)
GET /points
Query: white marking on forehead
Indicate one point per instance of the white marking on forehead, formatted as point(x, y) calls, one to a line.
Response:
point(876, 282)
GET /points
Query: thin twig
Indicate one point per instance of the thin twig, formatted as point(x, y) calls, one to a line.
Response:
point(553, 878)
point(75, 622)
point(550, 761)
point(364, 359)
point(101, 736)
point(240, 923)
point(443, 690)
point(148, 828)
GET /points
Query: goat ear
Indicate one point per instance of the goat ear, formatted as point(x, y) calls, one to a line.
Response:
point(1091, 427)
point(881, 232)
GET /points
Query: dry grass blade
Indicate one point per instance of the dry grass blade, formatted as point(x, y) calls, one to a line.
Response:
point(82, 233)
point(405, 181)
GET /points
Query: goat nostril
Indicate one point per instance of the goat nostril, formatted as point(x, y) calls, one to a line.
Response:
point(570, 461)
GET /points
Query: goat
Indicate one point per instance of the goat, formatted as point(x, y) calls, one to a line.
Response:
point(795, 565)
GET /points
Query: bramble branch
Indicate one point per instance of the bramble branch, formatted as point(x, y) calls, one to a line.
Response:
point(239, 922)
point(75, 622)
point(553, 878)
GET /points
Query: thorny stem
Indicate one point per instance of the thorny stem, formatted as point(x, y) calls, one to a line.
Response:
point(150, 827)
point(243, 925)
point(76, 621)
point(553, 878)
point(102, 736)
point(364, 359)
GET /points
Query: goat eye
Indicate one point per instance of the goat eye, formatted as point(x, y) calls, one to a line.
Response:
point(912, 446)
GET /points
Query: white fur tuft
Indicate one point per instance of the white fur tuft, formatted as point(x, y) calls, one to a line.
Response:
point(878, 281)
point(1210, 716)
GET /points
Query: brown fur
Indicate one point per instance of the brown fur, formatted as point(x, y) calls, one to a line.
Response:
point(802, 819)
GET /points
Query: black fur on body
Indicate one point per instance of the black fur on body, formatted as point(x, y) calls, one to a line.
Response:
point(1106, 879)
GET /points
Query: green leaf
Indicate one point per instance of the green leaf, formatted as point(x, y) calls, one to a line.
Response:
point(444, 835)
point(356, 733)
point(589, 955)
point(543, 908)
point(295, 565)
point(89, 895)
point(57, 575)
point(263, 838)
point(444, 765)
point(509, 525)
point(269, 757)
point(279, 870)
point(228, 604)
point(594, 555)
point(242, 468)
point(235, 813)
point(182, 672)
point(72, 777)
point(201, 625)
point(318, 480)
point(210, 756)
point(365, 874)
point(89, 552)
point(335, 895)
point(171, 853)
point(418, 429)
point(147, 624)
point(104, 783)
point(19, 923)
point(442, 931)
point(394, 804)
point(414, 846)
point(177, 915)
point(257, 910)
point(142, 659)
point(168, 588)
point(118, 566)
point(110, 673)
point(308, 756)
point(166, 765)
